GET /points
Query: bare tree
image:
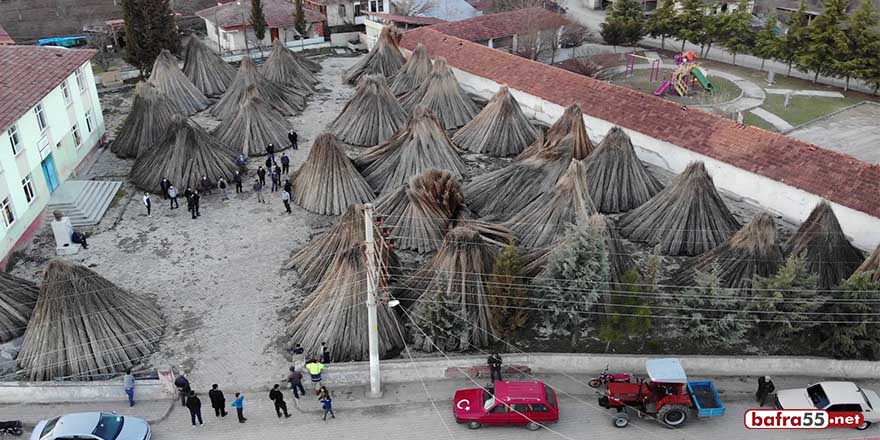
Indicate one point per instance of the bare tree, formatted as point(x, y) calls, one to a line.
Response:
point(584, 63)
point(573, 35)
point(102, 42)
point(413, 8)
point(512, 5)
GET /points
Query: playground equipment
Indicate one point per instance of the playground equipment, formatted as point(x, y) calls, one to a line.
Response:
point(685, 74)
point(631, 65)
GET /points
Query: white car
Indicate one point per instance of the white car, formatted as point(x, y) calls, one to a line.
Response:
point(92, 426)
point(833, 396)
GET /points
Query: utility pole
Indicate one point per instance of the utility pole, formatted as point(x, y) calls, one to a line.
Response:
point(244, 27)
point(372, 318)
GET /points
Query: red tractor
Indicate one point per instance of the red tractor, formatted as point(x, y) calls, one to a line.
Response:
point(666, 396)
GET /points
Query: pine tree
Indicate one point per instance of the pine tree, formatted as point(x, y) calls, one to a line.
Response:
point(149, 28)
point(785, 304)
point(738, 34)
point(577, 273)
point(690, 21)
point(820, 51)
point(662, 24)
point(854, 333)
point(859, 45)
point(791, 44)
point(299, 17)
point(258, 21)
point(711, 317)
point(627, 314)
point(508, 296)
point(625, 23)
point(766, 41)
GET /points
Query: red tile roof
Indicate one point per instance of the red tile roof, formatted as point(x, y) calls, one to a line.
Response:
point(278, 13)
point(4, 37)
point(407, 18)
point(29, 73)
point(837, 177)
point(503, 24)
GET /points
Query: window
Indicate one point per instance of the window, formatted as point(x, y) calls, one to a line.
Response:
point(66, 93)
point(377, 6)
point(551, 395)
point(50, 425)
point(357, 10)
point(77, 139)
point(28, 188)
point(540, 408)
point(41, 117)
point(342, 11)
point(499, 409)
point(520, 408)
point(90, 121)
point(8, 215)
point(817, 396)
point(845, 407)
point(109, 426)
point(80, 80)
point(14, 139)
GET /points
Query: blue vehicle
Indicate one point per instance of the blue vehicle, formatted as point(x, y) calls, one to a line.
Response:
point(75, 41)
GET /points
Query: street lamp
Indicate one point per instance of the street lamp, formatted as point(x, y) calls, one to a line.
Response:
point(217, 25)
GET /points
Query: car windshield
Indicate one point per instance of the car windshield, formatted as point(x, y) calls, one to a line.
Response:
point(817, 396)
point(864, 396)
point(50, 425)
point(109, 426)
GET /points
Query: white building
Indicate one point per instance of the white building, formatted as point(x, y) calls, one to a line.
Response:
point(230, 22)
point(50, 120)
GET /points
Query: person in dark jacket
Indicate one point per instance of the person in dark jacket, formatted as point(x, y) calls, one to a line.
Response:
point(188, 195)
point(269, 162)
point(325, 353)
point(221, 183)
point(270, 151)
point(326, 402)
point(494, 362)
point(285, 163)
point(276, 178)
point(277, 397)
point(295, 378)
point(183, 388)
point(292, 136)
point(765, 388)
point(207, 185)
point(194, 404)
point(237, 179)
point(288, 186)
point(261, 175)
point(164, 185)
point(218, 401)
point(195, 204)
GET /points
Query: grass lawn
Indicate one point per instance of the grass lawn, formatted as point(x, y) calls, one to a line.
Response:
point(641, 81)
point(804, 109)
point(754, 121)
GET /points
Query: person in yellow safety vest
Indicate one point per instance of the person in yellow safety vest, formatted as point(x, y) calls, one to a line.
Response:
point(315, 368)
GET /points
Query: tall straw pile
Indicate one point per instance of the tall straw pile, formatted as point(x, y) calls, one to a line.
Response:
point(420, 146)
point(146, 123)
point(416, 70)
point(316, 258)
point(86, 327)
point(254, 126)
point(544, 221)
point(442, 94)
point(618, 180)
point(501, 193)
point(501, 129)
point(205, 69)
point(385, 59)
point(335, 313)
point(327, 182)
point(168, 78)
point(17, 298)
point(686, 218)
point(453, 306)
point(371, 116)
point(871, 266)
point(751, 251)
point(285, 69)
point(820, 241)
point(286, 100)
point(183, 156)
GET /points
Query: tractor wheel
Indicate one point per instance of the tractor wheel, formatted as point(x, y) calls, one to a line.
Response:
point(532, 426)
point(594, 383)
point(863, 426)
point(621, 420)
point(474, 425)
point(673, 416)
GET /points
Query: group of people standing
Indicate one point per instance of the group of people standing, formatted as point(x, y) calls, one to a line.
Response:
point(276, 169)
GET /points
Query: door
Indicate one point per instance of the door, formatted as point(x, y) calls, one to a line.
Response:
point(50, 172)
point(274, 33)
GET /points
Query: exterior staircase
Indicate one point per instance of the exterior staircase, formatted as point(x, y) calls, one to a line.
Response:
point(83, 201)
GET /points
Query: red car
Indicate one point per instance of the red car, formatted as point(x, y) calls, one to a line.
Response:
point(530, 404)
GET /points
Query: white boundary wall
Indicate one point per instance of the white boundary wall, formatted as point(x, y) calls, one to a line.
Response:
point(776, 197)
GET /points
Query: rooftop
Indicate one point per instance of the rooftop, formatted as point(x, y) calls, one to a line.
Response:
point(408, 19)
point(837, 177)
point(278, 13)
point(4, 37)
point(502, 24)
point(28, 73)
